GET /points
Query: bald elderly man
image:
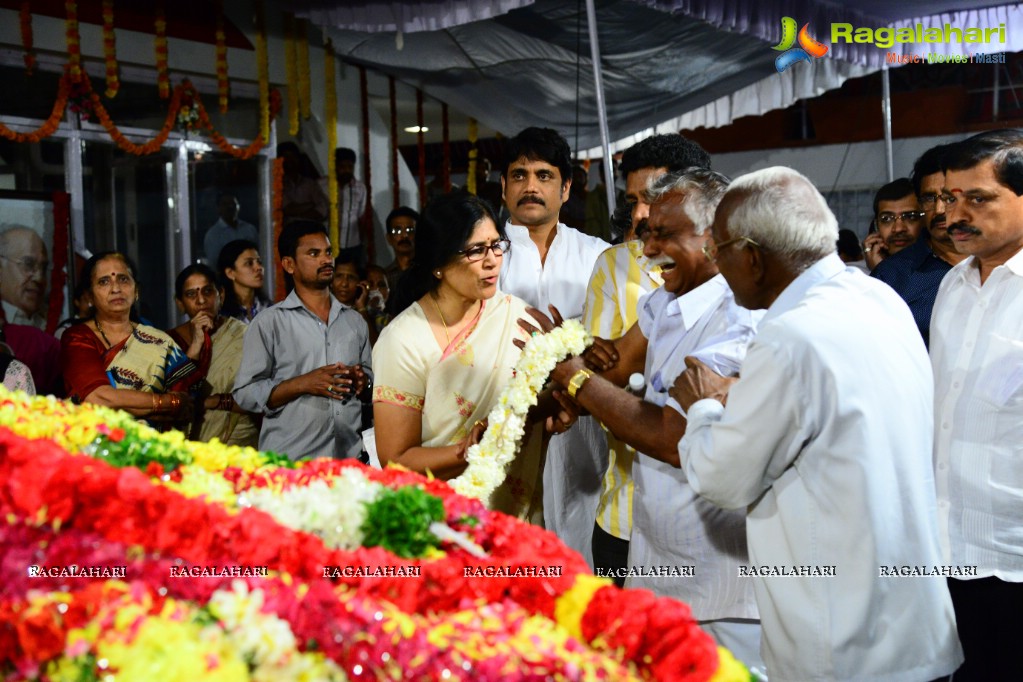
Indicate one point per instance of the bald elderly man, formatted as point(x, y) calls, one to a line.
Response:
point(23, 267)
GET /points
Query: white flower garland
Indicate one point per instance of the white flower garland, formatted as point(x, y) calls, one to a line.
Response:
point(489, 459)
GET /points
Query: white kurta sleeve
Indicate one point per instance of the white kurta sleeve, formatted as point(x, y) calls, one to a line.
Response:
point(731, 456)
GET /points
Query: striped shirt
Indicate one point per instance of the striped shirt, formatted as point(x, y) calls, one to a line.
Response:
point(621, 277)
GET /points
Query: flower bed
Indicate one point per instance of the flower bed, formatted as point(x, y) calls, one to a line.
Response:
point(200, 561)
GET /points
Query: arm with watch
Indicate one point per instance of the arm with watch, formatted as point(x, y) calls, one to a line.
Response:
point(596, 383)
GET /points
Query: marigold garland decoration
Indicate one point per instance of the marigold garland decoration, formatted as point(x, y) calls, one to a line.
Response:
point(88, 103)
point(277, 201)
point(160, 48)
point(370, 235)
point(291, 72)
point(223, 84)
point(421, 149)
point(330, 116)
point(74, 41)
point(304, 88)
point(473, 134)
point(262, 70)
point(395, 180)
point(58, 275)
point(110, 49)
point(49, 125)
point(25, 15)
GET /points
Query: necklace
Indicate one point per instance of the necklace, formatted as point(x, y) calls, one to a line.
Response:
point(95, 321)
point(436, 306)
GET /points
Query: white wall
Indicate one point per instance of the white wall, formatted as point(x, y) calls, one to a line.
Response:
point(855, 165)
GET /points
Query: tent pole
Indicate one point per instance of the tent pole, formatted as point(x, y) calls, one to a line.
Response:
point(609, 176)
point(886, 115)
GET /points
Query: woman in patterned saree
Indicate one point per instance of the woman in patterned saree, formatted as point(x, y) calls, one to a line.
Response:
point(441, 364)
point(220, 353)
point(112, 360)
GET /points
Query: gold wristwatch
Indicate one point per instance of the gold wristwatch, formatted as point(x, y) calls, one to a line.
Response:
point(577, 381)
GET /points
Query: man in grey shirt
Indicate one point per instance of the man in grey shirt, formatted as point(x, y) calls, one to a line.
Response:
point(306, 359)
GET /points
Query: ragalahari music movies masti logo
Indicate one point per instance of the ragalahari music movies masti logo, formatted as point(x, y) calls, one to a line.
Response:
point(808, 50)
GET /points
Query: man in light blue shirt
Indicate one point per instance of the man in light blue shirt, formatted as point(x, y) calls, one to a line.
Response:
point(228, 228)
point(306, 359)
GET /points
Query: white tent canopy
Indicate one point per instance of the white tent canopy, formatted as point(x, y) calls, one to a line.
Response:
point(667, 64)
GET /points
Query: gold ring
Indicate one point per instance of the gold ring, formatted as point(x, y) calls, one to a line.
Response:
point(479, 422)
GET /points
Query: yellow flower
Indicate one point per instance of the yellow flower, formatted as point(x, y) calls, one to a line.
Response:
point(570, 607)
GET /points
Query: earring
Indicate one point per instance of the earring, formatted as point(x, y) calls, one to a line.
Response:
point(436, 274)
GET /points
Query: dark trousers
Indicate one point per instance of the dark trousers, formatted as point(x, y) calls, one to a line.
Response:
point(610, 555)
point(988, 612)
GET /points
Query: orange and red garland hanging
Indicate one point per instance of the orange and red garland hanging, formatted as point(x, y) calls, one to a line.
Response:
point(25, 15)
point(110, 49)
point(74, 41)
point(223, 84)
point(160, 48)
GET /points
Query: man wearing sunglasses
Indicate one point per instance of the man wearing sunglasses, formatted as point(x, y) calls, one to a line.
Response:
point(401, 235)
point(897, 221)
point(24, 266)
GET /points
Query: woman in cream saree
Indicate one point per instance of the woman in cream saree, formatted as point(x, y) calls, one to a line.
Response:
point(442, 363)
point(456, 387)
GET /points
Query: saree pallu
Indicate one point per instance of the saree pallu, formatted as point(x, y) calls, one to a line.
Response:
point(147, 360)
point(454, 387)
point(231, 428)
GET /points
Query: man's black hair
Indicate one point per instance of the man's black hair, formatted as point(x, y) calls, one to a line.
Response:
point(540, 144)
point(1003, 147)
point(401, 212)
point(673, 152)
point(896, 189)
point(344, 154)
point(929, 163)
point(287, 243)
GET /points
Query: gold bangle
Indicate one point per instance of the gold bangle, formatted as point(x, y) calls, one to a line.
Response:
point(577, 381)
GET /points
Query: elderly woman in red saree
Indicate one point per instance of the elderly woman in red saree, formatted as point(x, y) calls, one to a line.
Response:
point(442, 363)
point(113, 360)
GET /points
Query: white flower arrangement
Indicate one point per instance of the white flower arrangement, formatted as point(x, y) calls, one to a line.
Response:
point(333, 510)
point(489, 459)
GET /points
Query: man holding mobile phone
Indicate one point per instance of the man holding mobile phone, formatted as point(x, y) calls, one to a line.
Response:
point(897, 221)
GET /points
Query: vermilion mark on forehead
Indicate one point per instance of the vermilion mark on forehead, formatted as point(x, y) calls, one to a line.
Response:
point(955, 190)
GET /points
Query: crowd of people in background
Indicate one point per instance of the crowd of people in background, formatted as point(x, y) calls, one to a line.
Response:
point(754, 407)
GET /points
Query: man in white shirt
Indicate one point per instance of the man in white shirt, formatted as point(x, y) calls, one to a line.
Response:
point(682, 546)
point(622, 276)
point(826, 444)
point(550, 263)
point(977, 356)
point(352, 225)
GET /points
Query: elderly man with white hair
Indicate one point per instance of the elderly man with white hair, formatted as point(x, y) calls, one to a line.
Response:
point(826, 442)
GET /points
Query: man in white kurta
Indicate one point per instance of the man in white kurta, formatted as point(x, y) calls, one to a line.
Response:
point(977, 357)
point(622, 276)
point(681, 545)
point(825, 441)
point(550, 263)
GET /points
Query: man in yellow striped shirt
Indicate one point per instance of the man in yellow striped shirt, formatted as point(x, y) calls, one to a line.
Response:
point(621, 277)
